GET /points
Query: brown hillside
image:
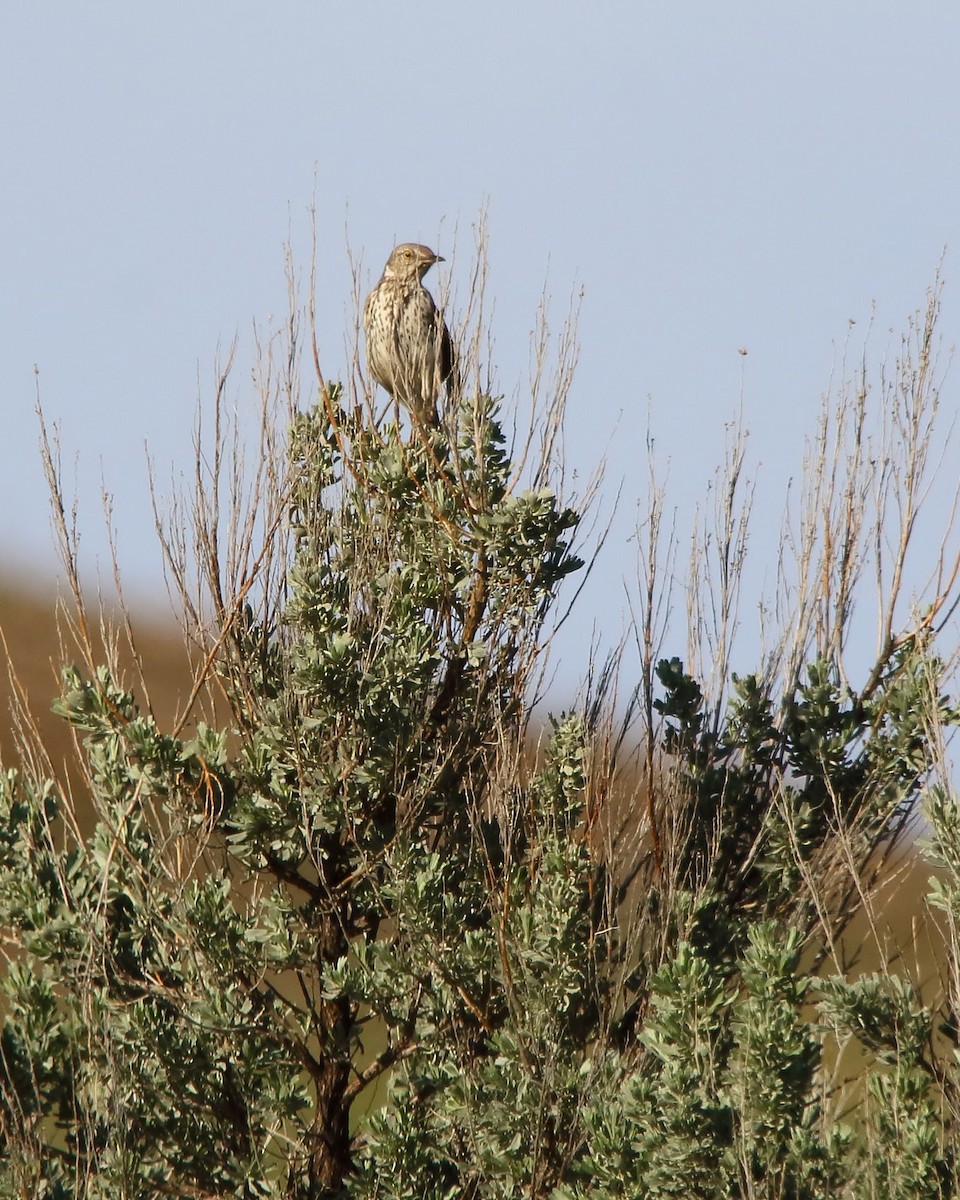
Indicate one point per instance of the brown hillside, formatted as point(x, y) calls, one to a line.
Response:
point(32, 633)
point(899, 934)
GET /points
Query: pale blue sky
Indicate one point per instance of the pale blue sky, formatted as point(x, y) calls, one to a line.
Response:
point(714, 176)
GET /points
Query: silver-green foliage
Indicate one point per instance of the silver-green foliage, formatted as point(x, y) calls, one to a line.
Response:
point(353, 941)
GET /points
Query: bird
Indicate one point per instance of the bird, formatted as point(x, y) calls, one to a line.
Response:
point(409, 349)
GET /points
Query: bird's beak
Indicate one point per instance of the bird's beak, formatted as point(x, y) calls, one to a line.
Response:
point(439, 258)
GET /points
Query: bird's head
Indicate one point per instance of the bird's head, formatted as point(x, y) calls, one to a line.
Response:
point(410, 261)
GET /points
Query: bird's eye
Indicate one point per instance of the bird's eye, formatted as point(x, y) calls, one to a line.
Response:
point(408, 254)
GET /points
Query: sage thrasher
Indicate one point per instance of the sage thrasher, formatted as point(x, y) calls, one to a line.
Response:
point(409, 351)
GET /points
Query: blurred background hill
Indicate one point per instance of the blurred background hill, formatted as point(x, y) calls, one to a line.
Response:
point(36, 647)
point(34, 638)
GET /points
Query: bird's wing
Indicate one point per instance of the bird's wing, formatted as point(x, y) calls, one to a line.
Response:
point(449, 371)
